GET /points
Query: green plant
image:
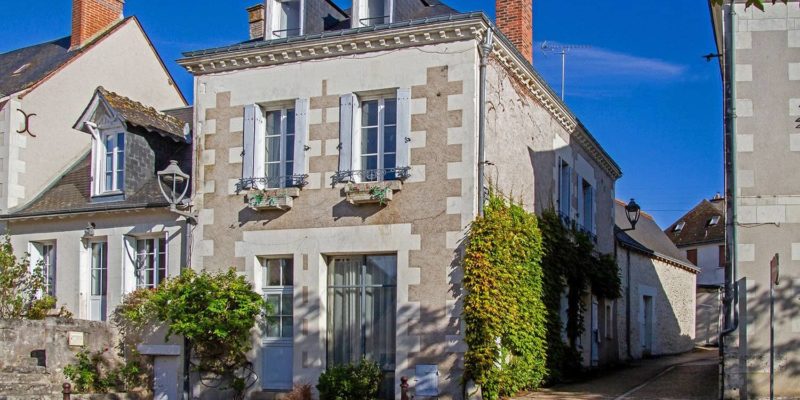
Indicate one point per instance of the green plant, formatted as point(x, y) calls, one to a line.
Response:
point(379, 193)
point(350, 382)
point(505, 317)
point(21, 286)
point(93, 373)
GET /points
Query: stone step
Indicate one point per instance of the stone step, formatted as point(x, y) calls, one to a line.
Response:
point(24, 369)
point(36, 389)
point(11, 377)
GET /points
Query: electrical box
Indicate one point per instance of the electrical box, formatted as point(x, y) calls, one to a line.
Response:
point(427, 381)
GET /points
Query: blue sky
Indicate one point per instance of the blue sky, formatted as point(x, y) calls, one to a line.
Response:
point(641, 87)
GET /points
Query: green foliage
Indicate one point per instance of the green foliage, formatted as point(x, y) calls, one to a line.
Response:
point(21, 286)
point(94, 373)
point(571, 265)
point(350, 382)
point(505, 318)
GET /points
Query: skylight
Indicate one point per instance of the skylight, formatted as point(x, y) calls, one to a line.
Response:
point(679, 226)
point(20, 69)
point(713, 221)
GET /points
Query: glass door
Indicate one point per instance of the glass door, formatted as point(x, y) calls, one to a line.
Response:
point(99, 281)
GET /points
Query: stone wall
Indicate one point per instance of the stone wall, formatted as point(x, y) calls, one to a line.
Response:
point(33, 354)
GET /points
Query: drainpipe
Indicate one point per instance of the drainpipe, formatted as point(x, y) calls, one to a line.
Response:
point(485, 50)
point(731, 296)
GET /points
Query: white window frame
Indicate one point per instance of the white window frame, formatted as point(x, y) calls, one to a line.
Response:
point(283, 135)
point(281, 290)
point(141, 257)
point(99, 166)
point(100, 265)
point(273, 21)
point(360, 10)
point(358, 163)
point(45, 252)
point(254, 157)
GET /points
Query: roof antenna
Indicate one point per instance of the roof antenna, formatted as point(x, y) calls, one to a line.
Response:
point(561, 49)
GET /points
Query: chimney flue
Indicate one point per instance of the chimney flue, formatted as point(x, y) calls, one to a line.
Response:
point(255, 16)
point(90, 18)
point(515, 19)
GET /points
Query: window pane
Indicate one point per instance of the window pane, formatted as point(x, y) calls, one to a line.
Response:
point(289, 153)
point(369, 113)
point(273, 272)
point(390, 111)
point(369, 162)
point(389, 139)
point(389, 161)
point(381, 270)
point(290, 118)
point(289, 171)
point(288, 272)
point(109, 180)
point(272, 327)
point(369, 141)
point(286, 328)
point(286, 304)
point(346, 271)
point(120, 180)
point(273, 304)
point(120, 142)
point(273, 123)
point(273, 148)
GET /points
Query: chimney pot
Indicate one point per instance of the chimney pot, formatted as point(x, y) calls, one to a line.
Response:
point(91, 18)
point(255, 16)
point(515, 19)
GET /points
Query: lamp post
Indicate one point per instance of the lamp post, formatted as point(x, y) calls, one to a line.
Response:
point(177, 184)
point(632, 213)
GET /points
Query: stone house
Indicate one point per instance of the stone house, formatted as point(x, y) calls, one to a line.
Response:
point(340, 158)
point(700, 233)
point(760, 70)
point(657, 308)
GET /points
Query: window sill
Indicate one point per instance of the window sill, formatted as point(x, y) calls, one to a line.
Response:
point(372, 192)
point(115, 195)
point(272, 199)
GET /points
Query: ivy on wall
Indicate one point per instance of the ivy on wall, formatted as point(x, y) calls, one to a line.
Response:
point(571, 266)
point(505, 317)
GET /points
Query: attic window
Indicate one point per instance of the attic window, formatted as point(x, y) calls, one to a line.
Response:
point(21, 69)
point(679, 226)
point(713, 221)
point(372, 12)
point(284, 18)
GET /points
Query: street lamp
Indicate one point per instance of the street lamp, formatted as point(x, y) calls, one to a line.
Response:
point(632, 212)
point(177, 182)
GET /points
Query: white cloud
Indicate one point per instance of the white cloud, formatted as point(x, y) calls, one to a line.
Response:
point(595, 62)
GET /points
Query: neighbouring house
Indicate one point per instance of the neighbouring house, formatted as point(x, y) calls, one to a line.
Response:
point(760, 69)
point(108, 218)
point(657, 307)
point(44, 88)
point(701, 235)
point(340, 161)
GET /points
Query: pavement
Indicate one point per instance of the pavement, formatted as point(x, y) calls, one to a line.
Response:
point(689, 376)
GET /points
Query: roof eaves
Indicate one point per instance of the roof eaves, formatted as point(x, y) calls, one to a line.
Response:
point(92, 210)
point(656, 255)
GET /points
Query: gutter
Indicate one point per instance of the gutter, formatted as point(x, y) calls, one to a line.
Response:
point(485, 51)
point(69, 213)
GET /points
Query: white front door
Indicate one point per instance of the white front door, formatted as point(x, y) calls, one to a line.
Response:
point(277, 343)
point(99, 281)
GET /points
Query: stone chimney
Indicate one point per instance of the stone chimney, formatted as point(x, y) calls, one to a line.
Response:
point(91, 18)
point(255, 15)
point(515, 19)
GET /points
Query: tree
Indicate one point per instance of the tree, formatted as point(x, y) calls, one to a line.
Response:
point(21, 286)
point(759, 4)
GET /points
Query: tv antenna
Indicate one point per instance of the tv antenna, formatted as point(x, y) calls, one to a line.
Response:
point(563, 49)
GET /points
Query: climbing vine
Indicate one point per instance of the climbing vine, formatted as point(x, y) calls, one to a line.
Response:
point(505, 317)
point(571, 266)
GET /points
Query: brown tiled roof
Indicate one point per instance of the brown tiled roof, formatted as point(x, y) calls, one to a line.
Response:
point(696, 229)
point(71, 194)
point(137, 114)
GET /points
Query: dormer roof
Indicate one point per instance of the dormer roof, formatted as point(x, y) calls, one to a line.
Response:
point(697, 224)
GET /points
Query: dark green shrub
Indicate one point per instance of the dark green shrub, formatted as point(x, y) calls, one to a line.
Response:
point(94, 373)
point(350, 382)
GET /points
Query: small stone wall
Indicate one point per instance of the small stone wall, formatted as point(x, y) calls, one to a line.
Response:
point(33, 354)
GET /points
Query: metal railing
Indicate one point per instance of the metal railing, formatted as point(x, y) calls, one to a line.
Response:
point(272, 182)
point(284, 33)
point(377, 20)
point(371, 175)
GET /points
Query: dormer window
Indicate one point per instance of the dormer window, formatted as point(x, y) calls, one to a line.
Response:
point(714, 220)
point(679, 226)
point(372, 12)
point(108, 162)
point(284, 18)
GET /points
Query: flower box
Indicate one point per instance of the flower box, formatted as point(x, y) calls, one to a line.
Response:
point(272, 199)
point(380, 193)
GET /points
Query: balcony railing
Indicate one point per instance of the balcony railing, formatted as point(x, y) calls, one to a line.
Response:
point(284, 33)
point(372, 175)
point(272, 182)
point(371, 21)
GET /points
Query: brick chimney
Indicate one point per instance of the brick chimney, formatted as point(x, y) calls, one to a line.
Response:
point(255, 16)
point(515, 19)
point(91, 18)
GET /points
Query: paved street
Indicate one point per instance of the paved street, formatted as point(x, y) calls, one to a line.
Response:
point(688, 376)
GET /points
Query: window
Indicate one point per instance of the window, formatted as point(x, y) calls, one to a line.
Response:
point(372, 12)
point(285, 18)
point(679, 226)
point(361, 313)
point(374, 135)
point(113, 166)
point(714, 220)
point(279, 295)
point(99, 268)
point(379, 138)
point(691, 255)
point(587, 209)
point(151, 262)
point(564, 189)
point(49, 268)
point(274, 146)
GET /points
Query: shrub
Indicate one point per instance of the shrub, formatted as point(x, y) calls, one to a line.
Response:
point(21, 287)
point(300, 392)
point(94, 373)
point(350, 382)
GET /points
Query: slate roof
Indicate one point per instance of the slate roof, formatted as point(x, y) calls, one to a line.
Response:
point(41, 59)
point(139, 115)
point(648, 238)
point(696, 229)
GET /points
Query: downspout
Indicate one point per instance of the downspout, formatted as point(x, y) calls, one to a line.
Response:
point(485, 50)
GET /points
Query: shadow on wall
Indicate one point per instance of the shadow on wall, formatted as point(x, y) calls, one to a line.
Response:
point(755, 316)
